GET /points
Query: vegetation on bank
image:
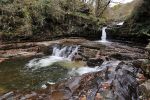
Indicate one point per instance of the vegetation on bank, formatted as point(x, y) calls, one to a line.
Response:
point(120, 12)
point(138, 24)
point(27, 18)
point(38, 20)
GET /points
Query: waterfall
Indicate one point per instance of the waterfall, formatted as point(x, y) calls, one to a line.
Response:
point(121, 23)
point(65, 53)
point(71, 55)
point(103, 38)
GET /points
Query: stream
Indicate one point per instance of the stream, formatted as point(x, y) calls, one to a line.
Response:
point(92, 70)
point(31, 73)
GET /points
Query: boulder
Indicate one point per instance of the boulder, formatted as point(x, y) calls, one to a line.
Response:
point(92, 62)
point(145, 89)
point(119, 56)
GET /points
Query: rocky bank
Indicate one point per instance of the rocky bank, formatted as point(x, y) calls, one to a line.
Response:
point(124, 77)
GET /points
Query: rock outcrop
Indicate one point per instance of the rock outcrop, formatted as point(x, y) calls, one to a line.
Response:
point(136, 27)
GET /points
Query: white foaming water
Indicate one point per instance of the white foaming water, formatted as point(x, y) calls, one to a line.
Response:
point(83, 70)
point(104, 36)
point(73, 53)
point(121, 23)
point(65, 54)
point(43, 62)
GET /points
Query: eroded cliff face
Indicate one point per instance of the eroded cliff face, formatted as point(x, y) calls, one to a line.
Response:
point(137, 26)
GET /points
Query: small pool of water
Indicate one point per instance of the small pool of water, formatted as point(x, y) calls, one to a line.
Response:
point(14, 75)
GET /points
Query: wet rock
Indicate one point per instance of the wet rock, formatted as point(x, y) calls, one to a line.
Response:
point(83, 97)
point(73, 83)
point(145, 90)
point(92, 62)
point(89, 53)
point(84, 57)
point(120, 56)
point(124, 85)
point(7, 96)
point(92, 45)
point(77, 57)
point(98, 54)
point(16, 46)
point(91, 93)
point(29, 96)
point(114, 79)
point(56, 95)
point(137, 63)
point(98, 97)
point(140, 77)
point(20, 53)
point(120, 84)
point(3, 59)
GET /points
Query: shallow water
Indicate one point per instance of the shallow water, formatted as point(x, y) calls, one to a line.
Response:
point(14, 76)
point(33, 73)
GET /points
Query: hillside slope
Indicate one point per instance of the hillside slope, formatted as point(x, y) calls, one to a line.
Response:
point(137, 27)
point(40, 20)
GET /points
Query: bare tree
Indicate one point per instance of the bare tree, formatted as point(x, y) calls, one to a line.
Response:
point(100, 7)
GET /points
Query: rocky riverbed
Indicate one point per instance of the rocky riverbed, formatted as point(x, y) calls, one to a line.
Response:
point(122, 71)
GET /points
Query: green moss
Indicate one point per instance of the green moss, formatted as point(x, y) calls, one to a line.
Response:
point(2, 90)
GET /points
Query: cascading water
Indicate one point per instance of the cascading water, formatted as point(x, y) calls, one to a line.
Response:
point(121, 77)
point(121, 23)
point(104, 36)
point(65, 53)
point(83, 70)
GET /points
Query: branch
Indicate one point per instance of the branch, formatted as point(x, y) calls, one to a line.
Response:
point(105, 7)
